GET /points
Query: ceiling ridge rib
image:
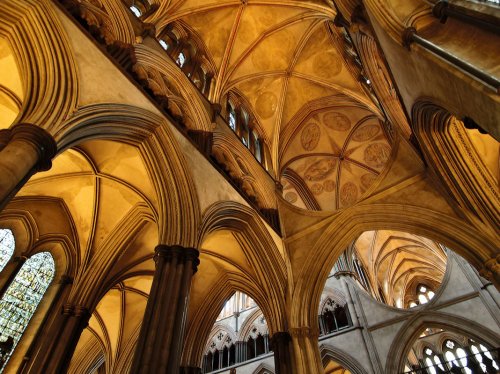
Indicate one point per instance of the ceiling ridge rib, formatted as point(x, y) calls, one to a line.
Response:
point(219, 83)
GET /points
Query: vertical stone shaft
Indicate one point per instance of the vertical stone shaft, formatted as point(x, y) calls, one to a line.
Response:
point(76, 319)
point(281, 344)
point(48, 335)
point(160, 342)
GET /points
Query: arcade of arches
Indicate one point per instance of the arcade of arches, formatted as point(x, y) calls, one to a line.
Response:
point(243, 186)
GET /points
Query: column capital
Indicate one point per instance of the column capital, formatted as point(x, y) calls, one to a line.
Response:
point(41, 139)
point(168, 252)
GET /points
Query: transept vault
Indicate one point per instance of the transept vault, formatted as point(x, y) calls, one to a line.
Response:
point(249, 186)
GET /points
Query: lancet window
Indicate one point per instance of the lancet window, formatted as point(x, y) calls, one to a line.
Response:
point(21, 300)
point(7, 245)
point(461, 355)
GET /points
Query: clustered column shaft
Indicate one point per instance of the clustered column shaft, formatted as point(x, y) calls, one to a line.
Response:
point(162, 333)
point(281, 344)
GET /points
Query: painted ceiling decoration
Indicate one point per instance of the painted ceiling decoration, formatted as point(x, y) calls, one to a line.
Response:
point(297, 74)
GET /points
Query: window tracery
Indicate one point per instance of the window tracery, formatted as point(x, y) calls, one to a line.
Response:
point(423, 295)
point(7, 246)
point(334, 317)
point(21, 300)
point(453, 353)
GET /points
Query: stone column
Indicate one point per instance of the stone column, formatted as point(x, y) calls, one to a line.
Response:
point(9, 273)
point(221, 358)
point(306, 355)
point(281, 344)
point(160, 342)
point(29, 149)
point(48, 335)
point(266, 343)
point(61, 340)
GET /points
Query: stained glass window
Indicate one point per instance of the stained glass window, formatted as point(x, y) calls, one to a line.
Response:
point(232, 119)
point(181, 59)
point(7, 245)
point(22, 298)
point(163, 44)
point(135, 10)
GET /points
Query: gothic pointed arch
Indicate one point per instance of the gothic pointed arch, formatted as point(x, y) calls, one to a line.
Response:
point(178, 210)
point(115, 325)
point(263, 369)
point(338, 355)
point(165, 78)
point(466, 240)
point(453, 157)
point(201, 320)
point(414, 326)
point(50, 83)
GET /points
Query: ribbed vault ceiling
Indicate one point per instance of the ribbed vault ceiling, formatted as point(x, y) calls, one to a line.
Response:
point(397, 261)
point(288, 61)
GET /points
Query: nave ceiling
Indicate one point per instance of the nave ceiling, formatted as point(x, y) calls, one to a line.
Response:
point(296, 73)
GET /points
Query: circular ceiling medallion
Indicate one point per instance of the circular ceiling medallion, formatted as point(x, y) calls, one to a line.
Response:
point(317, 188)
point(326, 65)
point(365, 133)
point(348, 194)
point(337, 121)
point(266, 104)
point(291, 197)
point(319, 170)
point(310, 136)
point(329, 185)
point(377, 155)
point(367, 180)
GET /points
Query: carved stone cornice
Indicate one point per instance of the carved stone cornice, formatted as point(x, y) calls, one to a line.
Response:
point(41, 140)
